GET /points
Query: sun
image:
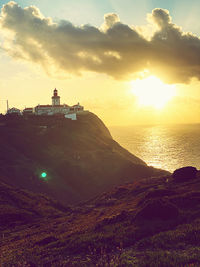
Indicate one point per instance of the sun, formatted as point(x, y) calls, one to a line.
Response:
point(152, 92)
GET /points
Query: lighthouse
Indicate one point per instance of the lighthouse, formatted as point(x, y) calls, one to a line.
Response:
point(55, 98)
point(69, 112)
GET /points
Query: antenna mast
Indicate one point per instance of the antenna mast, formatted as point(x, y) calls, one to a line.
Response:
point(7, 106)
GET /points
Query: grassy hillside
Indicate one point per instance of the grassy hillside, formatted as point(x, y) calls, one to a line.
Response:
point(80, 157)
point(21, 207)
point(151, 222)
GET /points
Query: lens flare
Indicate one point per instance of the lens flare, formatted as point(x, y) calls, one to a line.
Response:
point(43, 174)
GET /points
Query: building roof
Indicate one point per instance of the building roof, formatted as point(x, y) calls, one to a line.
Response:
point(13, 109)
point(28, 109)
point(53, 106)
point(44, 106)
point(77, 106)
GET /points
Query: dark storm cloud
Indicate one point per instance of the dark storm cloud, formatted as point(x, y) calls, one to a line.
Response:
point(115, 49)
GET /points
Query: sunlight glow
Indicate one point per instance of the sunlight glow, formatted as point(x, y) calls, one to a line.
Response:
point(152, 92)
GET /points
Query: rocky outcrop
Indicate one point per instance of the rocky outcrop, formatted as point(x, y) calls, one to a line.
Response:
point(184, 174)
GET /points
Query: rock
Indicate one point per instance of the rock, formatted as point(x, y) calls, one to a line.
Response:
point(184, 174)
point(157, 209)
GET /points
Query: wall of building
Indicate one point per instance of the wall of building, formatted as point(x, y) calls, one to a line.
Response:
point(71, 116)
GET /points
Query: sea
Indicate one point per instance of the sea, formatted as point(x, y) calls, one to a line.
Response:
point(163, 146)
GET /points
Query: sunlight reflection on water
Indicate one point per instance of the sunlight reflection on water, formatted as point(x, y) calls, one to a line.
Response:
point(165, 146)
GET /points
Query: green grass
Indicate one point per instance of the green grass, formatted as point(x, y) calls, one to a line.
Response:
point(170, 259)
point(188, 234)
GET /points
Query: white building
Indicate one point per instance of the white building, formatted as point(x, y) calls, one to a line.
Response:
point(71, 116)
point(28, 111)
point(76, 108)
point(51, 110)
point(57, 108)
point(14, 111)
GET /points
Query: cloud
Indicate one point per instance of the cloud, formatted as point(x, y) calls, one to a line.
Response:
point(110, 20)
point(116, 49)
point(161, 17)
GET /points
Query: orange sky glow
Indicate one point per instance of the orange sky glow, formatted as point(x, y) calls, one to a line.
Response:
point(126, 74)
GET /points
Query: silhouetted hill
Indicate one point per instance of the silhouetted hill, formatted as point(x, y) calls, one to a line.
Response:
point(80, 157)
point(151, 222)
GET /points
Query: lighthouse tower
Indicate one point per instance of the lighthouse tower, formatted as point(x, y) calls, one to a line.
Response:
point(55, 98)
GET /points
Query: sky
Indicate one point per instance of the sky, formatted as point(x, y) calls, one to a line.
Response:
point(129, 62)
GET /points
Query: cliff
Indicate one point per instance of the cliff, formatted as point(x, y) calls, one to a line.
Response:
point(80, 157)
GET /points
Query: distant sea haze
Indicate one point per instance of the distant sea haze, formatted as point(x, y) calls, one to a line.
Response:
point(165, 146)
